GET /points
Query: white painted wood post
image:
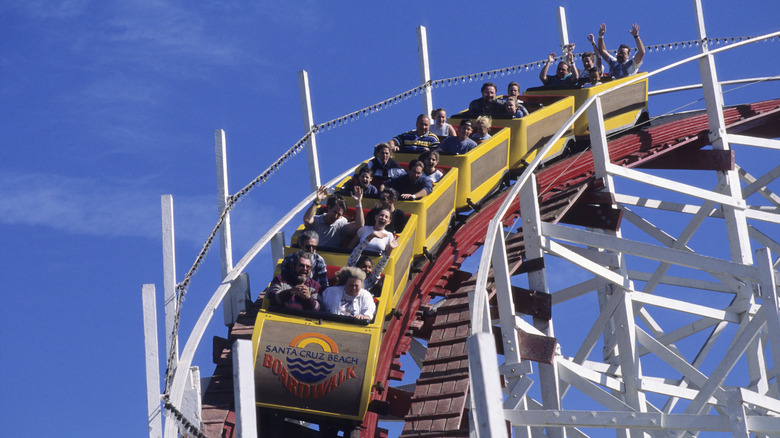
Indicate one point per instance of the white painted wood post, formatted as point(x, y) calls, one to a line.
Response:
point(563, 31)
point(244, 389)
point(169, 274)
point(225, 241)
point(737, 414)
point(537, 281)
point(154, 406)
point(768, 284)
point(171, 305)
point(425, 71)
point(485, 386)
point(308, 122)
point(736, 223)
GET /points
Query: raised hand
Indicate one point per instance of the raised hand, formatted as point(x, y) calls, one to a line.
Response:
point(634, 30)
point(357, 194)
point(602, 29)
point(322, 193)
point(392, 244)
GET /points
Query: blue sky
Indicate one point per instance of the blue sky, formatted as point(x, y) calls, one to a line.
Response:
point(105, 106)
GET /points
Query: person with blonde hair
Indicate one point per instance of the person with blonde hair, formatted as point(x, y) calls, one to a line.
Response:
point(349, 298)
point(482, 129)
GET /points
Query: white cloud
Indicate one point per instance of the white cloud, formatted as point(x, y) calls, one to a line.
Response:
point(82, 206)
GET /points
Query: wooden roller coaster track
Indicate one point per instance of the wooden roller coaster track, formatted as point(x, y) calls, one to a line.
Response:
point(568, 191)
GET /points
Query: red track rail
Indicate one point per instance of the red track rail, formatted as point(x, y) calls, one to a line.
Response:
point(439, 277)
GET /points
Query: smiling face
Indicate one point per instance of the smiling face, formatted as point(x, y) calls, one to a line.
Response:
point(513, 90)
point(511, 106)
point(353, 286)
point(489, 94)
point(430, 162)
point(366, 266)
point(381, 219)
point(481, 128)
point(423, 125)
point(441, 117)
point(465, 130)
point(365, 179)
point(622, 55)
point(303, 267)
point(587, 62)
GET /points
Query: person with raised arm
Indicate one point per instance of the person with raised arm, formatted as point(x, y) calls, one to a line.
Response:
point(332, 226)
point(623, 65)
point(364, 263)
point(375, 233)
point(566, 74)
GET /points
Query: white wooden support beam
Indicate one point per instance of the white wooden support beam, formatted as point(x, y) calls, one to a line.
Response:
point(425, 71)
point(598, 142)
point(244, 389)
point(153, 404)
point(754, 141)
point(308, 123)
point(686, 307)
point(628, 358)
point(641, 249)
point(575, 376)
point(169, 276)
point(675, 186)
point(190, 403)
point(563, 31)
point(583, 262)
point(485, 386)
point(736, 224)
point(736, 349)
point(737, 414)
point(478, 300)
point(577, 290)
point(537, 281)
point(225, 240)
point(506, 306)
point(679, 363)
point(768, 284)
point(506, 309)
point(623, 420)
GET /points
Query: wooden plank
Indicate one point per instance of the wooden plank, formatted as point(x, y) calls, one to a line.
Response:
point(153, 404)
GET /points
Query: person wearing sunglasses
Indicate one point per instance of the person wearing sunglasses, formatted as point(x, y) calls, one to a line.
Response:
point(308, 243)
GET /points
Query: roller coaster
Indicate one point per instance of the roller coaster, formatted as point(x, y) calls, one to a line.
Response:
point(508, 200)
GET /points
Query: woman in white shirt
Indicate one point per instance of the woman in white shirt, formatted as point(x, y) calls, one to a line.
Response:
point(379, 236)
point(350, 299)
point(440, 126)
